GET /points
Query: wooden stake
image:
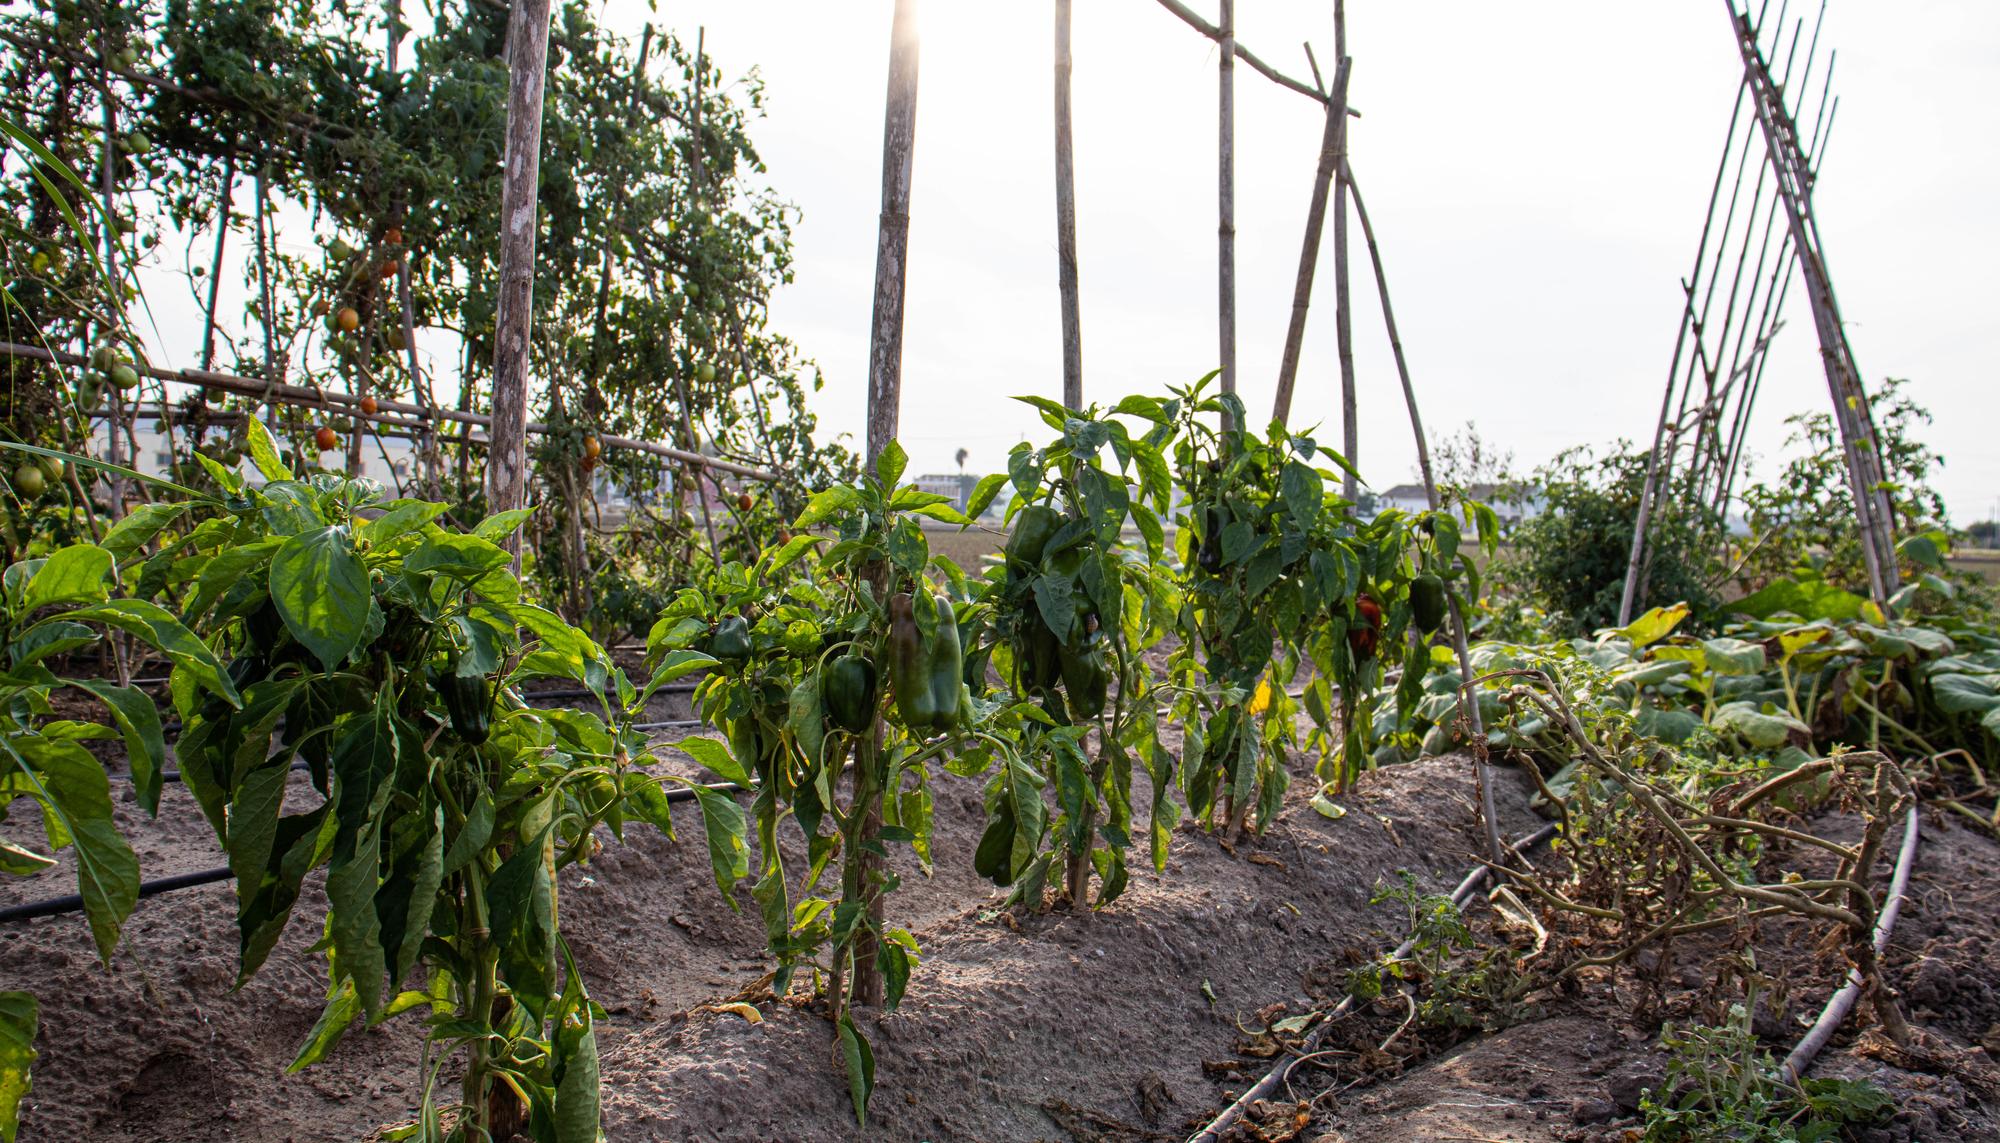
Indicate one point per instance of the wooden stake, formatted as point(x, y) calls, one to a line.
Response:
point(1343, 322)
point(885, 394)
point(527, 65)
point(225, 199)
point(1072, 320)
point(899, 140)
point(1471, 712)
point(1332, 143)
point(1225, 230)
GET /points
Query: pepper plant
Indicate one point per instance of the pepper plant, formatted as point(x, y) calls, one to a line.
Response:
point(1074, 607)
point(51, 609)
point(384, 651)
point(1278, 572)
point(839, 675)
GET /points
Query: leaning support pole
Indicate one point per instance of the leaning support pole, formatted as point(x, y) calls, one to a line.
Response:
point(1333, 141)
point(1473, 724)
point(885, 396)
point(1072, 319)
point(1649, 491)
point(527, 65)
point(1872, 510)
point(1225, 169)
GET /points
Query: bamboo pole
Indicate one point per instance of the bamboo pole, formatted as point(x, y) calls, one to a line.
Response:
point(1458, 638)
point(698, 145)
point(1343, 322)
point(114, 306)
point(1225, 166)
point(1656, 461)
point(310, 398)
point(899, 137)
point(224, 201)
point(885, 393)
point(1072, 320)
point(527, 65)
point(1188, 16)
point(1332, 144)
point(1873, 512)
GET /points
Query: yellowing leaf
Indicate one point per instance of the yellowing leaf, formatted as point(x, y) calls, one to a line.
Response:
point(748, 1012)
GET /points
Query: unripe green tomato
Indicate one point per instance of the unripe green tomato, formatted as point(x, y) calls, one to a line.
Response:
point(29, 480)
point(124, 376)
point(705, 373)
point(52, 467)
point(692, 289)
point(339, 250)
point(105, 357)
point(137, 143)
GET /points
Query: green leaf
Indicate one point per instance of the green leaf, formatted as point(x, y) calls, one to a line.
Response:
point(501, 525)
point(151, 623)
point(398, 517)
point(890, 464)
point(264, 451)
point(1301, 490)
point(825, 505)
point(1728, 656)
point(578, 1091)
point(18, 1016)
point(456, 555)
point(334, 1019)
point(983, 493)
point(1923, 551)
point(1808, 599)
point(321, 590)
point(138, 721)
point(717, 758)
point(860, 1059)
point(1764, 730)
point(728, 851)
point(139, 527)
point(75, 574)
point(76, 794)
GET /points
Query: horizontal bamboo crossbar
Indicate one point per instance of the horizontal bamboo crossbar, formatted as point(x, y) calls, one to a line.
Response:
point(306, 397)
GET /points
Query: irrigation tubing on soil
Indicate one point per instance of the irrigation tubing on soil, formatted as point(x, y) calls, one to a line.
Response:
point(73, 902)
point(1842, 1002)
point(1263, 1088)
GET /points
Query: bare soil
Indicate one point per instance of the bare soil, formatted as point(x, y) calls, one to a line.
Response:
point(1127, 1025)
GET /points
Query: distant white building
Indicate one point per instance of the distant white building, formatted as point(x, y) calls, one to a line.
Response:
point(1513, 503)
point(956, 485)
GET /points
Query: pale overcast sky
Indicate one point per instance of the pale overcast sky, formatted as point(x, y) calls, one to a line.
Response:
point(1537, 174)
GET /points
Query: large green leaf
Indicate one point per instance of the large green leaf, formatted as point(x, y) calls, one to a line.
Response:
point(138, 721)
point(728, 850)
point(17, 1056)
point(1807, 599)
point(321, 588)
point(76, 796)
point(1766, 730)
point(154, 625)
point(75, 574)
point(139, 527)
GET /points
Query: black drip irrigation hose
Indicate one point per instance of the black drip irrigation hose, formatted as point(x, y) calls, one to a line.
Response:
point(1263, 1088)
point(73, 902)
